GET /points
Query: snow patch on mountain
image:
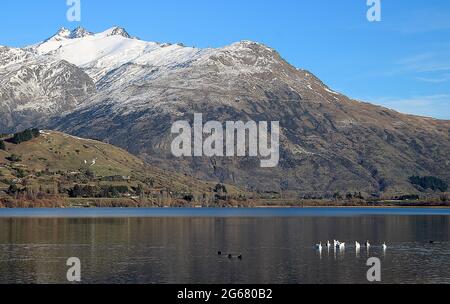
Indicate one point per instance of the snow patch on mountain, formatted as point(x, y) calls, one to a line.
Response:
point(39, 85)
point(103, 53)
point(99, 54)
point(79, 32)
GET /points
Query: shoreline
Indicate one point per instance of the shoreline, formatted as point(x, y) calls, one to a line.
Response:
point(214, 213)
point(58, 202)
point(230, 208)
point(350, 207)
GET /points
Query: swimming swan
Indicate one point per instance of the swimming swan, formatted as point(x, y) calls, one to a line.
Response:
point(319, 246)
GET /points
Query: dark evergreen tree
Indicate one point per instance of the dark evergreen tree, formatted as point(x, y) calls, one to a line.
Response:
point(14, 158)
point(429, 182)
point(24, 136)
point(12, 190)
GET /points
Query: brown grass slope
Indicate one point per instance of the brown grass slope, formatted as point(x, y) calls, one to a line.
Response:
point(55, 161)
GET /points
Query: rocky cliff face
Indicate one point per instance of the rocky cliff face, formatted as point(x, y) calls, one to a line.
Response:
point(329, 142)
point(34, 88)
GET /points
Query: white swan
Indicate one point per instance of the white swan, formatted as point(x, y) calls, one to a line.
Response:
point(357, 245)
point(367, 244)
point(384, 246)
point(335, 243)
point(319, 246)
point(328, 244)
point(341, 246)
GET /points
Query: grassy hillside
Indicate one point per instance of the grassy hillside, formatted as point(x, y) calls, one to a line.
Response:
point(53, 169)
point(85, 171)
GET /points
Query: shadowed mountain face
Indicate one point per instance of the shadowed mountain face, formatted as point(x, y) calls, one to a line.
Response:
point(329, 142)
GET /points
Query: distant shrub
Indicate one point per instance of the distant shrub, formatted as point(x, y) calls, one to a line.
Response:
point(220, 188)
point(6, 181)
point(2, 145)
point(14, 158)
point(188, 197)
point(20, 173)
point(83, 191)
point(429, 182)
point(24, 136)
point(78, 191)
point(13, 189)
point(338, 196)
point(113, 191)
point(87, 191)
point(349, 196)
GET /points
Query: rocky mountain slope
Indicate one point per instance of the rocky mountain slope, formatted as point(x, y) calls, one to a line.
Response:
point(35, 87)
point(131, 91)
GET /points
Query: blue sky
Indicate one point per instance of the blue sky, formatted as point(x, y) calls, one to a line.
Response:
point(402, 62)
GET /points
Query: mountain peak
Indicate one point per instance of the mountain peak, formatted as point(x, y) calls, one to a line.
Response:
point(117, 31)
point(248, 44)
point(79, 32)
point(62, 33)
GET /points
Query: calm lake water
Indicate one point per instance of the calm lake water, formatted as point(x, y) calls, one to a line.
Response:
point(181, 245)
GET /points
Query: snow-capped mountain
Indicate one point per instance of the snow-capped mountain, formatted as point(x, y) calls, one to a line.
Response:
point(115, 61)
point(79, 32)
point(122, 86)
point(34, 87)
point(99, 54)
